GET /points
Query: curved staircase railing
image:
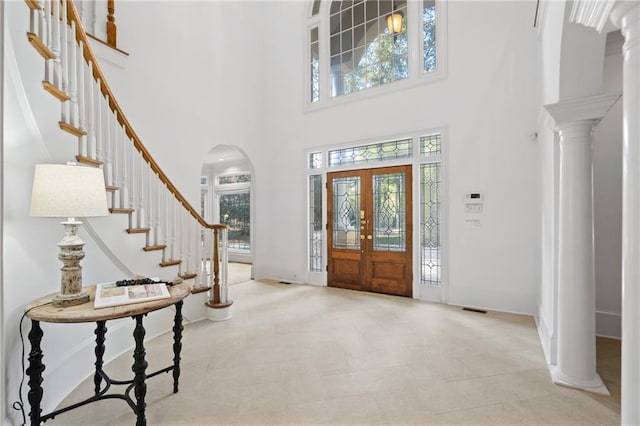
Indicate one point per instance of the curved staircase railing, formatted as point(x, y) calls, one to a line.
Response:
point(106, 139)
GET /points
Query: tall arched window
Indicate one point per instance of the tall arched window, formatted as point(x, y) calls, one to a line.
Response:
point(361, 44)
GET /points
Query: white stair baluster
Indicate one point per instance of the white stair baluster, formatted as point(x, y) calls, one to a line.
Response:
point(64, 58)
point(124, 187)
point(139, 191)
point(149, 202)
point(158, 204)
point(73, 79)
point(91, 118)
point(45, 37)
point(166, 230)
point(55, 45)
point(82, 101)
point(108, 144)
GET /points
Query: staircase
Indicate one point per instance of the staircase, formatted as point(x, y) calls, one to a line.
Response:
point(138, 188)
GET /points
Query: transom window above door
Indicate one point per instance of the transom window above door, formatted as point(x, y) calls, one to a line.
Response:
point(362, 44)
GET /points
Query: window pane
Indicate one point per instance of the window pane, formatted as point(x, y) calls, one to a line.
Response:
point(371, 153)
point(225, 180)
point(384, 57)
point(316, 7)
point(315, 65)
point(315, 223)
point(315, 160)
point(235, 213)
point(430, 247)
point(389, 216)
point(346, 213)
point(430, 145)
point(429, 34)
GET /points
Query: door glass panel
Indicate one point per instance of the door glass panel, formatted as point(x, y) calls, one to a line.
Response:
point(346, 212)
point(235, 213)
point(389, 215)
point(430, 246)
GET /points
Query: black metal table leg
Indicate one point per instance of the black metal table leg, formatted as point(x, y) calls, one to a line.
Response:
point(139, 369)
point(34, 371)
point(101, 330)
point(177, 345)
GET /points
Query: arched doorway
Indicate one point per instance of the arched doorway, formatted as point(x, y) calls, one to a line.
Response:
point(226, 197)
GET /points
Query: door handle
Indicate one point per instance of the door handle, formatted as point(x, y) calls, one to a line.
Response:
point(362, 236)
point(369, 237)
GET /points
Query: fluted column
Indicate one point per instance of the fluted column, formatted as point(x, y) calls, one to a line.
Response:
point(576, 358)
point(626, 15)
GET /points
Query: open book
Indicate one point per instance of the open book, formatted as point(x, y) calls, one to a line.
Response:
point(109, 294)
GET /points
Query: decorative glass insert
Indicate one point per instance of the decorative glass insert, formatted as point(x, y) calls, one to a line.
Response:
point(315, 64)
point(389, 216)
point(226, 180)
point(235, 213)
point(363, 51)
point(371, 153)
point(429, 34)
point(315, 160)
point(430, 244)
point(315, 223)
point(346, 212)
point(430, 145)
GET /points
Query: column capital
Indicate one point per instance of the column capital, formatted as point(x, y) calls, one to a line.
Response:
point(592, 14)
point(622, 10)
point(581, 109)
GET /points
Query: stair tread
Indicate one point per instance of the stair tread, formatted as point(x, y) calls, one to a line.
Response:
point(188, 276)
point(57, 93)
point(138, 230)
point(195, 290)
point(170, 262)
point(71, 129)
point(42, 49)
point(111, 188)
point(121, 211)
point(89, 161)
point(154, 248)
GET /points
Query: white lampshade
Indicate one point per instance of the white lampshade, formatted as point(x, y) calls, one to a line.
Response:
point(68, 191)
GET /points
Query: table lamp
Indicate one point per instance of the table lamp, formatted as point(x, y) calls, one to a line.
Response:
point(69, 191)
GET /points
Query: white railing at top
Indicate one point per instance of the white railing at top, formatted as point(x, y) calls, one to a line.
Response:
point(106, 139)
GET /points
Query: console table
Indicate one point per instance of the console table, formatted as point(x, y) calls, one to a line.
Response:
point(41, 310)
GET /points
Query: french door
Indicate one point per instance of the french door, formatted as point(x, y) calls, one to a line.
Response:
point(370, 230)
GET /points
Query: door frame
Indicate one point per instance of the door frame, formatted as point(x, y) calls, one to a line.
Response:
point(429, 293)
point(376, 269)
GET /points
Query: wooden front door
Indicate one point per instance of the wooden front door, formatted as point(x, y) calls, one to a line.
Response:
point(370, 230)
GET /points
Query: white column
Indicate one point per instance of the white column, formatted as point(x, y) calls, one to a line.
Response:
point(576, 358)
point(626, 15)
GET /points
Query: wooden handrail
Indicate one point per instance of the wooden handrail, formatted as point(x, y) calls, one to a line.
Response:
point(98, 75)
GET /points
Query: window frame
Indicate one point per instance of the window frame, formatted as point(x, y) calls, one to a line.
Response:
point(417, 75)
point(421, 290)
point(231, 189)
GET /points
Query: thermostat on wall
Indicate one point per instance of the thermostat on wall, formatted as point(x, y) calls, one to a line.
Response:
point(473, 202)
point(473, 197)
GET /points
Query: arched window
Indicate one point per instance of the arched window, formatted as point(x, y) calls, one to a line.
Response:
point(360, 44)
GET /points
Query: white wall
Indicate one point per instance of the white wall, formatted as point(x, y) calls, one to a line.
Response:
point(607, 191)
point(226, 83)
point(489, 114)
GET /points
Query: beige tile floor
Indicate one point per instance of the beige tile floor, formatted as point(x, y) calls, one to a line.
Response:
point(295, 354)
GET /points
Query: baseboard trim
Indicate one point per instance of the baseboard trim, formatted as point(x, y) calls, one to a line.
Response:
point(609, 324)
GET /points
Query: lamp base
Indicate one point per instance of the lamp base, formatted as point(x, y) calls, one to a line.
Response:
point(66, 300)
point(71, 254)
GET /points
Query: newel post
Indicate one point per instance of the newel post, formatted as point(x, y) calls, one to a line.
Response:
point(111, 23)
point(218, 301)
